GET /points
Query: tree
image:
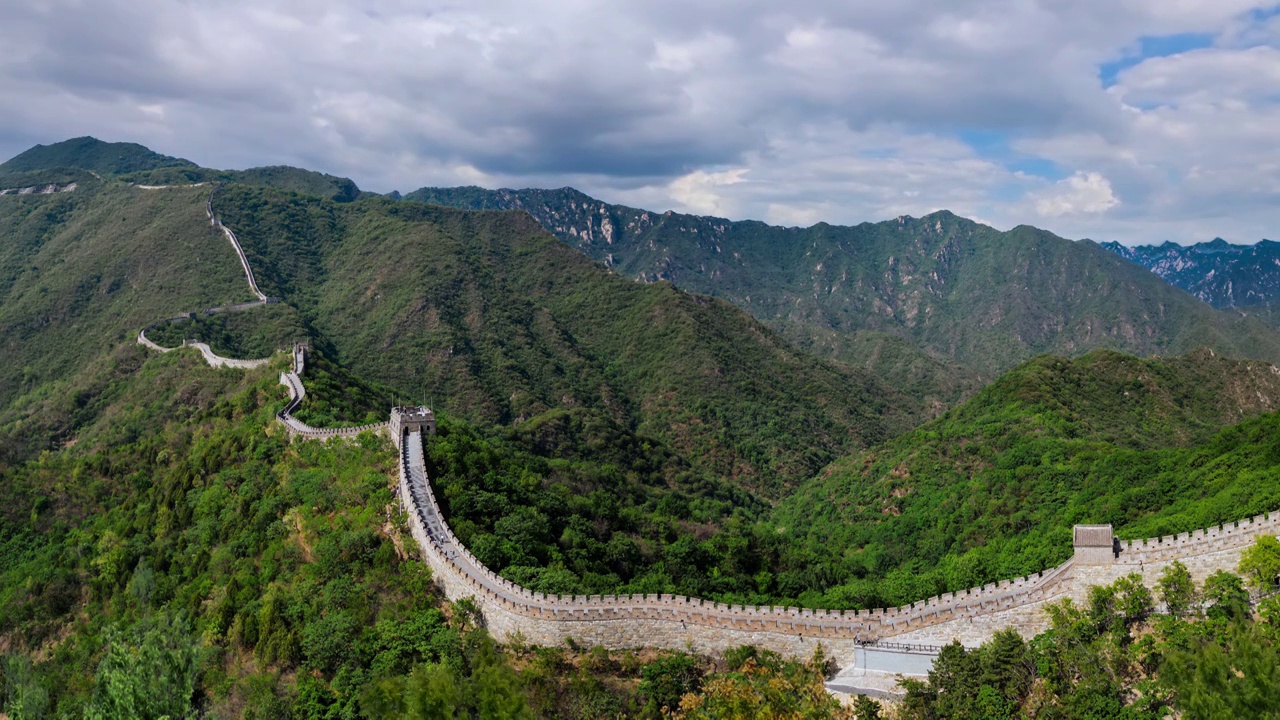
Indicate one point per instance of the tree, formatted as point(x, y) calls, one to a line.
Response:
point(1226, 594)
point(1235, 678)
point(436, 691)
point(1118, 606)
point(147, 674)
point(1007, 665)
point(1260, 563)
point(766, 687)
point(665, 680)
point(1176, 589)
point(864, 708)
point(25, 698)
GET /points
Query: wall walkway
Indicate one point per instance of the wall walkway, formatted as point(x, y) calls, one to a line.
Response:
point(39, 189)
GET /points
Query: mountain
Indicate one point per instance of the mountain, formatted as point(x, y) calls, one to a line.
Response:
point(992, 488)
point(487, 314)
point(94, 155)
point(965, 293)
point(164, 546)
point(81, 272)
point(482, 313)
point(1217, 272)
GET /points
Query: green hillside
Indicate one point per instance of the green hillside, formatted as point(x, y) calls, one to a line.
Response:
point(89, 153)
point(81, 272)
point(487, 315)
point(961, 291)
point(182, 555)
point(991, 489)
point(483, 314)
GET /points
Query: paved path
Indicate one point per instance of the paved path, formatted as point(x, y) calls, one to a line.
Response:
point(211, 357)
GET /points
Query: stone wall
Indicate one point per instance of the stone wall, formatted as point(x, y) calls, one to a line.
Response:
point(212, 358)
point(235, 243)
point(292, 380)
point(1202, 551)
point(39, 189)
point(673, 621)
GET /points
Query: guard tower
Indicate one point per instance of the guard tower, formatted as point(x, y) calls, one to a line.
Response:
point(1094, 545)
point(408, 419)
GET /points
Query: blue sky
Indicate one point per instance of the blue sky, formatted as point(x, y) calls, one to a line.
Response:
point(1151, 47)
point(1129, 120)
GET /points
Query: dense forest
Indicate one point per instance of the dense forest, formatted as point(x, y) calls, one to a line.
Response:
point(165, 551)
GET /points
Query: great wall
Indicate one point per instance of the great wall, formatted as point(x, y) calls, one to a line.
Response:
point(871, 646)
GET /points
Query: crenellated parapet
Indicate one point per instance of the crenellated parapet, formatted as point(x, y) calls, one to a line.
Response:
point(647, 620)
point(1225, 537)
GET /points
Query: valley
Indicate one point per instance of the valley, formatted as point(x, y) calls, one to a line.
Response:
point(626, 465)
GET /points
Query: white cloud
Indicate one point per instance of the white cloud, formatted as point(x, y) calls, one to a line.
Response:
point(699, 191)
point(839, 110)
point(1084, 192)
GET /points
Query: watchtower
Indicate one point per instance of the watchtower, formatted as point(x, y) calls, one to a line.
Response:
point(409, 419)
point(1094, 545)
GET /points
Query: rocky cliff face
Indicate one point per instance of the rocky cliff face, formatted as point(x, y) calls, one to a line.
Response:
point(952, 291)
point(1217, 272)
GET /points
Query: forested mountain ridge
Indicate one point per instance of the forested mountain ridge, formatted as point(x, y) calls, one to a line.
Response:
point(966, 293)
point(992, 488)
point(164, 532)
point(488, 311)
point(1217, 272)
point(481, 313)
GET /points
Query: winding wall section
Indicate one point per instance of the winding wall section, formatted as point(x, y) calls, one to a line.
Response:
point(211, 357)
point(292, 380)
point(671, 621)
point(678, 622)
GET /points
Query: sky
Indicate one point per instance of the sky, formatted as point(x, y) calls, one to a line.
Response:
point(1130, 120)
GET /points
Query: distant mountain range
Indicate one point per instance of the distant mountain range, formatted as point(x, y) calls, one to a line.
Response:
point(927, 303)
point(1217, 272)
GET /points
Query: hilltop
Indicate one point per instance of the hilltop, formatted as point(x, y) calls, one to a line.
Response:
point(966, 301)
point(92, 154)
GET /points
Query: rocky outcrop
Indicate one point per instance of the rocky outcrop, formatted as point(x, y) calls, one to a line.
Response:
point(39, 189)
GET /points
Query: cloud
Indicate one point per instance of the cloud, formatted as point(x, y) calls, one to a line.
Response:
point(699, 193)
point(831, 110)
point(1084, 192)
